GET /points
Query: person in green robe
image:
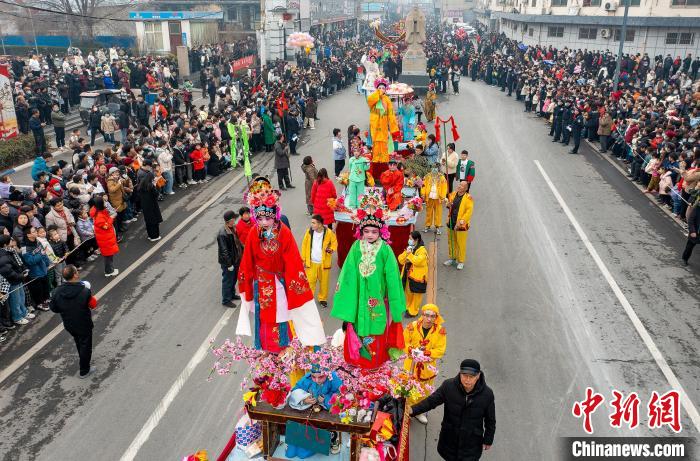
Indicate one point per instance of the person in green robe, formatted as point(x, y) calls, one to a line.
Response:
point(369, 295)
point(268, 131)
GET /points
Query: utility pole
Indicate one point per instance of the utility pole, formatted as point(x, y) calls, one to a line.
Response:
point(623, 36)
point(261, 41)
point(31, 18)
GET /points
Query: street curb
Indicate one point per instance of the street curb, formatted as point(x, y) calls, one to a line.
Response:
point(650, 197)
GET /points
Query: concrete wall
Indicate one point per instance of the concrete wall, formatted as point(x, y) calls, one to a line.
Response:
point(646, 39)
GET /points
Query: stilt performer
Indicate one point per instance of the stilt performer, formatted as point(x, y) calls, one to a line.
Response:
point(369, 294)
point(232, 132)
point(382, 121)
point(272, 280)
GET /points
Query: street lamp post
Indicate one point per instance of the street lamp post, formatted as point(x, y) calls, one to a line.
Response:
point(623, 36)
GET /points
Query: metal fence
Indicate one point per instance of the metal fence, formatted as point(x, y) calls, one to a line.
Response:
point(64, 41)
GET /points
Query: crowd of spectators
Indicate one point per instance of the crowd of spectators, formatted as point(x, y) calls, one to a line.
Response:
point(150, 149)
point(651, 122)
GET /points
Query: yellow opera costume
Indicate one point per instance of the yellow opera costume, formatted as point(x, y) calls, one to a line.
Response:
point(319, 271)
point(382, 123)
point(460, 214)
point(414, 266)
point(431, 345)
point(434, 192)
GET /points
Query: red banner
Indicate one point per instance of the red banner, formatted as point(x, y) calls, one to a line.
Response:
point(243, 63)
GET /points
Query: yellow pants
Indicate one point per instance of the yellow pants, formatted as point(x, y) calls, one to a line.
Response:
point(433, 213)
point(414, 301)
point(316, 273)
point(457, 241)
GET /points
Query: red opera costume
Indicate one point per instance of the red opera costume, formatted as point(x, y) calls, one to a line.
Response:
point(272, 281)
point(392, 182)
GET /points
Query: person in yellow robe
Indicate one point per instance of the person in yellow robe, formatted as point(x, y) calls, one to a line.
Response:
point(434, 193)
point(429, 105)
point(424, 337)
point(460, 206)
point(414, 272)
point(382, 121)
point(317, 250)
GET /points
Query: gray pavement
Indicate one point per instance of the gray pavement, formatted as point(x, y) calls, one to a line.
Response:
point(531, 305)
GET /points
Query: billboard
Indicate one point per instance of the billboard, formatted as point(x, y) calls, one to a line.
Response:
point(8, 117)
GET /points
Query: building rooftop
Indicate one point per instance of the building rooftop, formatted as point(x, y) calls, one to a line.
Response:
point(610, 21)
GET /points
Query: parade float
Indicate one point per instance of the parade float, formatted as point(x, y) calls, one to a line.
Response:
point(308, 396)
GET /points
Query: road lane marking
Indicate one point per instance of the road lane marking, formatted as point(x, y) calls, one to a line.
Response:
point(629, 310)
point(162, 407)
point(14, 366)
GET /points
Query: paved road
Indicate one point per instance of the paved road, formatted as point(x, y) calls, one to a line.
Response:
point(531, 304)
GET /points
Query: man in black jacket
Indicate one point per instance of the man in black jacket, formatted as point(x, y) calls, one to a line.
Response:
point(693, 229)
point(141, 112)
point(469, 420)
point(230, 253)
point(95, 123)
point(74, 300)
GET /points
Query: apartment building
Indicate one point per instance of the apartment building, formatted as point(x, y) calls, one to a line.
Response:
point(656, 27)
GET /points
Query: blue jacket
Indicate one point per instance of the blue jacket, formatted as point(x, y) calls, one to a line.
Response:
point(326, 390)
point(38, 167)
point(432, 152)
point(37, 262)
point(109, 83)
point(339, 152)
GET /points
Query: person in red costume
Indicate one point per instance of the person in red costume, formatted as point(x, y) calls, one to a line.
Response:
point(272, 280)
point(392, 182)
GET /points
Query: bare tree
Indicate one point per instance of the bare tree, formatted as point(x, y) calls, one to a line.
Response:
point(80, 14)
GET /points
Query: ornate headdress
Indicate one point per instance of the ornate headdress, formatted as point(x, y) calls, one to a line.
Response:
point(263, 199)
point(371, 213)
point(381, 81)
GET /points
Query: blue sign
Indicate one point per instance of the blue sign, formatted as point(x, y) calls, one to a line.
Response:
point(174, 15)
point(184, 38)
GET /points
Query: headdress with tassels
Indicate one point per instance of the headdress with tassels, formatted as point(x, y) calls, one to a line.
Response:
point(372, 213)
point(263, 199)
point(381, 81)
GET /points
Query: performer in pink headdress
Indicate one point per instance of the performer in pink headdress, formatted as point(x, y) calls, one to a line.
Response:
point(272, 280)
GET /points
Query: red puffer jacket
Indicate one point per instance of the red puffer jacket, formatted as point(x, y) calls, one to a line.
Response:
point(105, 235)
point(320, 193)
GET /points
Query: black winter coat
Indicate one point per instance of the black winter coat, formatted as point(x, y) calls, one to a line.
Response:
point(95, 120)
point(72, 301)
point(230, 248)
point(11, 267)
point(141, 111)
point(469, 420)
